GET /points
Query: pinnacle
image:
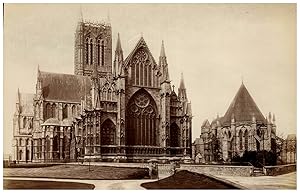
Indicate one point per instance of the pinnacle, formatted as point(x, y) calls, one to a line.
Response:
point(162, 51)
point(182, 86)
point(118, 47)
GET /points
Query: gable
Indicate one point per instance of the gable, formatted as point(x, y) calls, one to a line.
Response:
point(141, 51)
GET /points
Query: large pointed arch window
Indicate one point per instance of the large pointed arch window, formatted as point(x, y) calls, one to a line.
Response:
point(139, 65)
point(141, 119)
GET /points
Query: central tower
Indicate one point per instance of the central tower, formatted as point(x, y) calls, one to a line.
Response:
point(93, 46)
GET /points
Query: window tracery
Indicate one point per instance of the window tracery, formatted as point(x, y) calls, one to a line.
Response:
point(141, 120)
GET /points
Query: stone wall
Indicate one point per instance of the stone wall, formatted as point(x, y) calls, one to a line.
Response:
point(165, 170)
point(280, 169)
point(219, 169)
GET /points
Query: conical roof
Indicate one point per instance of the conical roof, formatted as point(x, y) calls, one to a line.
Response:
point(243, 108)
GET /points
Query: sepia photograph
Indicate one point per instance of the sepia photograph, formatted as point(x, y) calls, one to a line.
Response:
point(135, 96)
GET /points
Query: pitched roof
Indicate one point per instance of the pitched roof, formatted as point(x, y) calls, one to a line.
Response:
point(243, 108)
point(26, 103)
point(64, 87)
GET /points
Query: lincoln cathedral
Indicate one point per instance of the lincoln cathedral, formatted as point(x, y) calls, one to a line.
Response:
point(111, 109)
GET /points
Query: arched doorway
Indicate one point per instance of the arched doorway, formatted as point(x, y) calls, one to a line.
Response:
point(175, 135)
point(141, 120)
point(108, 133)
point(174, 138)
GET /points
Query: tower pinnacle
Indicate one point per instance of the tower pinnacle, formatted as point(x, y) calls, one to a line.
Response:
point(118, 47)
point(118, 62)
point(182, 86)
point(162, 50)
point(181, 90)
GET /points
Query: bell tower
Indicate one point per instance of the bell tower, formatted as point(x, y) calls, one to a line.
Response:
point(93, 46)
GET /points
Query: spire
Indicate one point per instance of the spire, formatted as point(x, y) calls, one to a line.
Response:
point(162, 50)
point(181, 90)
point(38, 71)
point(182, 86)
point(164, 64)
point(18, 106)
point(81, 15)
point(39, 82)
point(119, 47)
point(118, 62)
point(274, 118)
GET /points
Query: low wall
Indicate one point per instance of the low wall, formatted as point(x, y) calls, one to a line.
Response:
point(113, 164)
point(219, 169)
point(279, 169)
point(165, 170)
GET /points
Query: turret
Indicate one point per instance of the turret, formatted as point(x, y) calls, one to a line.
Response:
point(118, 62)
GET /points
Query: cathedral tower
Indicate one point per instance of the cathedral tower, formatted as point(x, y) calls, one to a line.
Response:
point(93, 45)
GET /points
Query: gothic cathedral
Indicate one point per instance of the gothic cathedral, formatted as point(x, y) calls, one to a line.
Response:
point(109, 110)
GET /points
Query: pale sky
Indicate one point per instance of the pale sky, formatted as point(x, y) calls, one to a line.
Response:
point(214, 45)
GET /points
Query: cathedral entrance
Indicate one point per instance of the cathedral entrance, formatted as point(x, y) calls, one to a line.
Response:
point(175, 137)
point(141, 120)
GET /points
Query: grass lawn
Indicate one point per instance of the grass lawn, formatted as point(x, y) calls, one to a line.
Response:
point(79, 172)
point(36, 184)
point(188, 180)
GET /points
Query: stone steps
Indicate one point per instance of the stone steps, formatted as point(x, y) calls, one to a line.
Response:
point(258, 172)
